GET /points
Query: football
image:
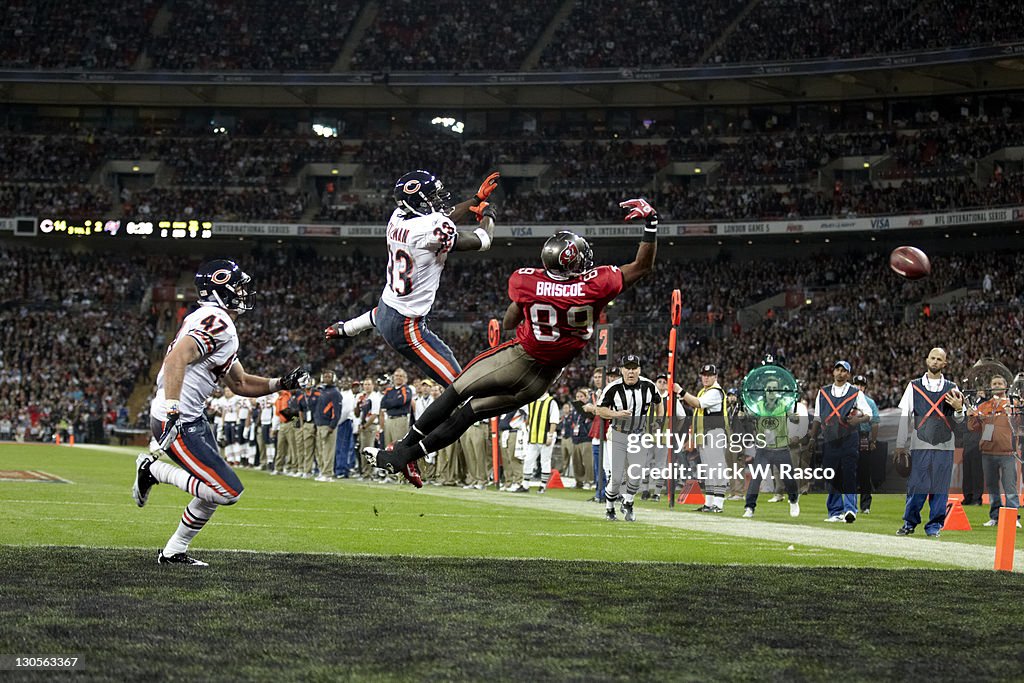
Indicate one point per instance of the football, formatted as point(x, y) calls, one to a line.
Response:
point(910, 262)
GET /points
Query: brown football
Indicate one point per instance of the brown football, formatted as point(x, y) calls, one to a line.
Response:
point(910, 262)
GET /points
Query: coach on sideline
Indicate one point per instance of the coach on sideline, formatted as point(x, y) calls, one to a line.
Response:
point(627, 403)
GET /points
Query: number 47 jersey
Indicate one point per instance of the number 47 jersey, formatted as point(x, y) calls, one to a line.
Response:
point(559, 315)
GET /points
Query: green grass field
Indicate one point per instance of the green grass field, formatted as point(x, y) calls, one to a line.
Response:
point(321, 581)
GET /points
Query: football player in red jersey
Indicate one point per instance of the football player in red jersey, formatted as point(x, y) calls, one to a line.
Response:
point(553, 311)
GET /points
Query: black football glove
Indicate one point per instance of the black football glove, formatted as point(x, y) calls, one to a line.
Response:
point(296, 379)
point(171, 427)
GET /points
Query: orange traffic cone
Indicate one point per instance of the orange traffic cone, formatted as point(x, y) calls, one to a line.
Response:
point(555, 482)
point(690, 494)
point(58, 438)
point(956, 518)
point(71, 439)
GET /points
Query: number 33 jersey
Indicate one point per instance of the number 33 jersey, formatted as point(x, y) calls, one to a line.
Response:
point(559, 315)
point(211, 329)
point(417, 250)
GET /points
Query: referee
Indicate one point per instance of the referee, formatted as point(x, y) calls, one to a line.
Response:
point(627, 403)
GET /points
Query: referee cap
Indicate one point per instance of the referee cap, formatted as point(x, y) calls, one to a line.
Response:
point(629, 361)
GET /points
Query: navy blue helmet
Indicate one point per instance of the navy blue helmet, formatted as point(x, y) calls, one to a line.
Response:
point(419, 193)
point(224, 283)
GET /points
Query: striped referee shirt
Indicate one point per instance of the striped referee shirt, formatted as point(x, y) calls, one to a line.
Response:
point(636, 398)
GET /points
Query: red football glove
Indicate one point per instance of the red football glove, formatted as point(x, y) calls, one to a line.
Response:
point(489, 185)
point(335, 331)
point(638, 208)
point(484, 209)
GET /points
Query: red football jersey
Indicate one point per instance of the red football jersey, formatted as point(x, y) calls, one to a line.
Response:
point(560, 314)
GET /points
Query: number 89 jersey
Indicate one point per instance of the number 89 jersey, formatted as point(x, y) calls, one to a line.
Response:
point(559, 315)
point(417, 250)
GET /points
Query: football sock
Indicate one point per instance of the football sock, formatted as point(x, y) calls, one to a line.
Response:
point(359, 324)
point(433, 417)
point(609, 501)
point(166, 473)
point(628, 497)
point(449, 432)
point(193, 519)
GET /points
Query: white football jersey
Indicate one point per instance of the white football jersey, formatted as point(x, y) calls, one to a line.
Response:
point(266, 407)
point(212, 330)
point(417, 250)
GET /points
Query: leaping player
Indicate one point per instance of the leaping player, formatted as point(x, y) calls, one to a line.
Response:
point(553, 310)
point(421, 233)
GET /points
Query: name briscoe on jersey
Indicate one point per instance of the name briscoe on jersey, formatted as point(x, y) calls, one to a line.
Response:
point(211, 329)
point(559, 316)
point(417, 250)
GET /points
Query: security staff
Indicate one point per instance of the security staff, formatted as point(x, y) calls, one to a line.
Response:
point(839, 409)
point(627, 402)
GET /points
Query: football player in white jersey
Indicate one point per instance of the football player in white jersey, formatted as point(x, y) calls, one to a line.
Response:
point(421, 233)
point(204, 352)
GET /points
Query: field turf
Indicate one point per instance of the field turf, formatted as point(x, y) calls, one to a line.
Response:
point(354, 581)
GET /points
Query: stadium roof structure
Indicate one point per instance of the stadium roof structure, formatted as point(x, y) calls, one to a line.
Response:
point(987, 68)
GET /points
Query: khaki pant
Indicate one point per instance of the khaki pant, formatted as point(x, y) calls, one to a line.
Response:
point(737, 485)
point(476, 445)
point(449, 466)
point(367, 435)
point(287, 435)
point(326, 445)
point(513, 467)
point(801, 456)
point(306, 445)
point(395, 429)
point(581, 457)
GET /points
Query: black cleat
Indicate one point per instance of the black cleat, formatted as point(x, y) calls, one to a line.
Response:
point(627, 512)
point(609, 514)
point(180, 558)
point(905, 530)
point(144, 480)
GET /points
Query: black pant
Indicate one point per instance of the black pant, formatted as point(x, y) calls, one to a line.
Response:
point(974, 477)
point(764, 458)
point(864, 484)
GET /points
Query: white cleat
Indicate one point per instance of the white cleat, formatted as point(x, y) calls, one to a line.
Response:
point(794, 509)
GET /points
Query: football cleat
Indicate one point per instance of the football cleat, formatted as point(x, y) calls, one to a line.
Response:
point(380, 460)
point(609, 514)
point(412, 474)
point(179, 558)
point(144, 479)
point(627, 512)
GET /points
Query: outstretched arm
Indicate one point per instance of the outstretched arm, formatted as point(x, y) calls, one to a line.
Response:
point(480, 239)
point(645, 253)
point(462, 211)
point(244, 384)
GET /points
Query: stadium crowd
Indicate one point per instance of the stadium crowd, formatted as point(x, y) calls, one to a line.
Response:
point(933, 166)
point(75, 337)
point(309, 35)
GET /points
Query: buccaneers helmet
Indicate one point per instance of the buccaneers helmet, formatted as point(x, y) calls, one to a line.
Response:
point(420, 193)
point(566, 255)
point(224, 283)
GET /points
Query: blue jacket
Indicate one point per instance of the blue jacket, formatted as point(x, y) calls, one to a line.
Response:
point(327, 409)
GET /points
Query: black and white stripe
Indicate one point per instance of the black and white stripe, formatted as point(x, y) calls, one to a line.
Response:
point(636, 398)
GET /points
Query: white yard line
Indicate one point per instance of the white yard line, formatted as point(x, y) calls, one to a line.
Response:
point(963, 555)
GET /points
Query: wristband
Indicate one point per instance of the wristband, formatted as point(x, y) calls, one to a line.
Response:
point(649, 236)
point(173, 406)
point(651, 229)
point(485, 239)
point(274, 385)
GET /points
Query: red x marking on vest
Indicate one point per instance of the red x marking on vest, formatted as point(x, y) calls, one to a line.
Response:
point(935, 407)
point(834, 407)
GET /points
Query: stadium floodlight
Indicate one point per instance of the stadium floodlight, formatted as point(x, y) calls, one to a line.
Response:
point(454, 125)
point(325, 131)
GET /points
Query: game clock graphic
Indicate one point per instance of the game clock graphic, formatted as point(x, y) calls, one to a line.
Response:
point(164, 229)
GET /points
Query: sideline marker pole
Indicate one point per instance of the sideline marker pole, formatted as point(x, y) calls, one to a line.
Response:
point(670, 409)
point(494, 338)
point(1006, 536)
